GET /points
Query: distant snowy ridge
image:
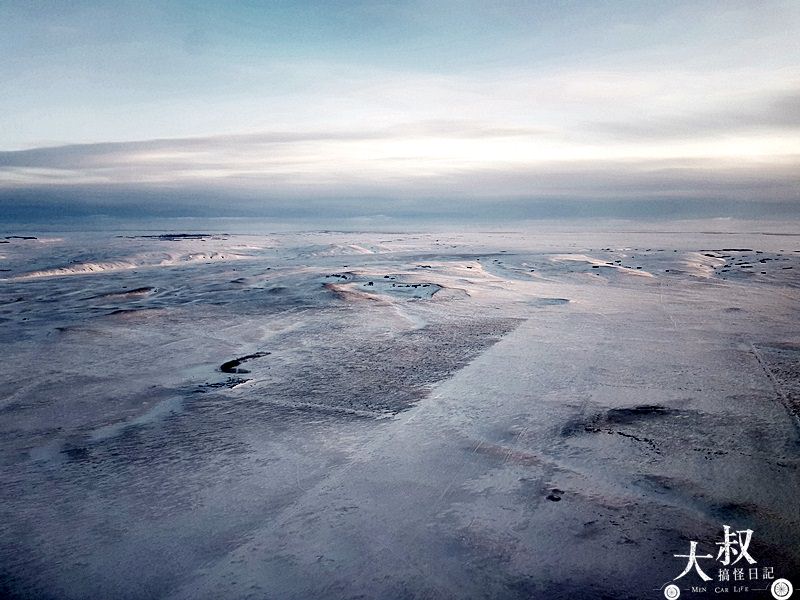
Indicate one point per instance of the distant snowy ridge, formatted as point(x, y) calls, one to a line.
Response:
point(130, 263)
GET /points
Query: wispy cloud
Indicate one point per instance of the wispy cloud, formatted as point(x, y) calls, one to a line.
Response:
point(409, 100)
point(748, 143)
point(775, 114)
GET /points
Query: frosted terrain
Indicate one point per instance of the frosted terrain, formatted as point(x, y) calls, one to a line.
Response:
point(388, 415)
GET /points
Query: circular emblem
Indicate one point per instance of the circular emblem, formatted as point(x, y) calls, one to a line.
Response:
point(781, 589)
point(672, 591)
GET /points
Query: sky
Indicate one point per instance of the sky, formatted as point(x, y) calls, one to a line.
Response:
point(468, 107)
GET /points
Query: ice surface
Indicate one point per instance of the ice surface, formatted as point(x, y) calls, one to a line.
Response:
point(391, 415)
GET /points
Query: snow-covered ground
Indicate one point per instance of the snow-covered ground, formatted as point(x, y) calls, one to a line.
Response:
point(517, 414)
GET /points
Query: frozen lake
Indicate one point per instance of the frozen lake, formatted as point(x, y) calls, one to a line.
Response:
point(391, 415)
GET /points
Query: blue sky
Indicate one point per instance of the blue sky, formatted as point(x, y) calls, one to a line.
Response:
point(562, 101)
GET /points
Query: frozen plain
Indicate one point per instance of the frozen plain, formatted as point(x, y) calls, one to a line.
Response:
point(391, 415)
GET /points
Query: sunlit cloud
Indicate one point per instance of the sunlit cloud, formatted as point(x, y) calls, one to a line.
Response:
point(494, 103)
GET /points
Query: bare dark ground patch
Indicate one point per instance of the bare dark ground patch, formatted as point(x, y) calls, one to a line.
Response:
point(388, 375)
point(620, 421)
point(233, 366)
